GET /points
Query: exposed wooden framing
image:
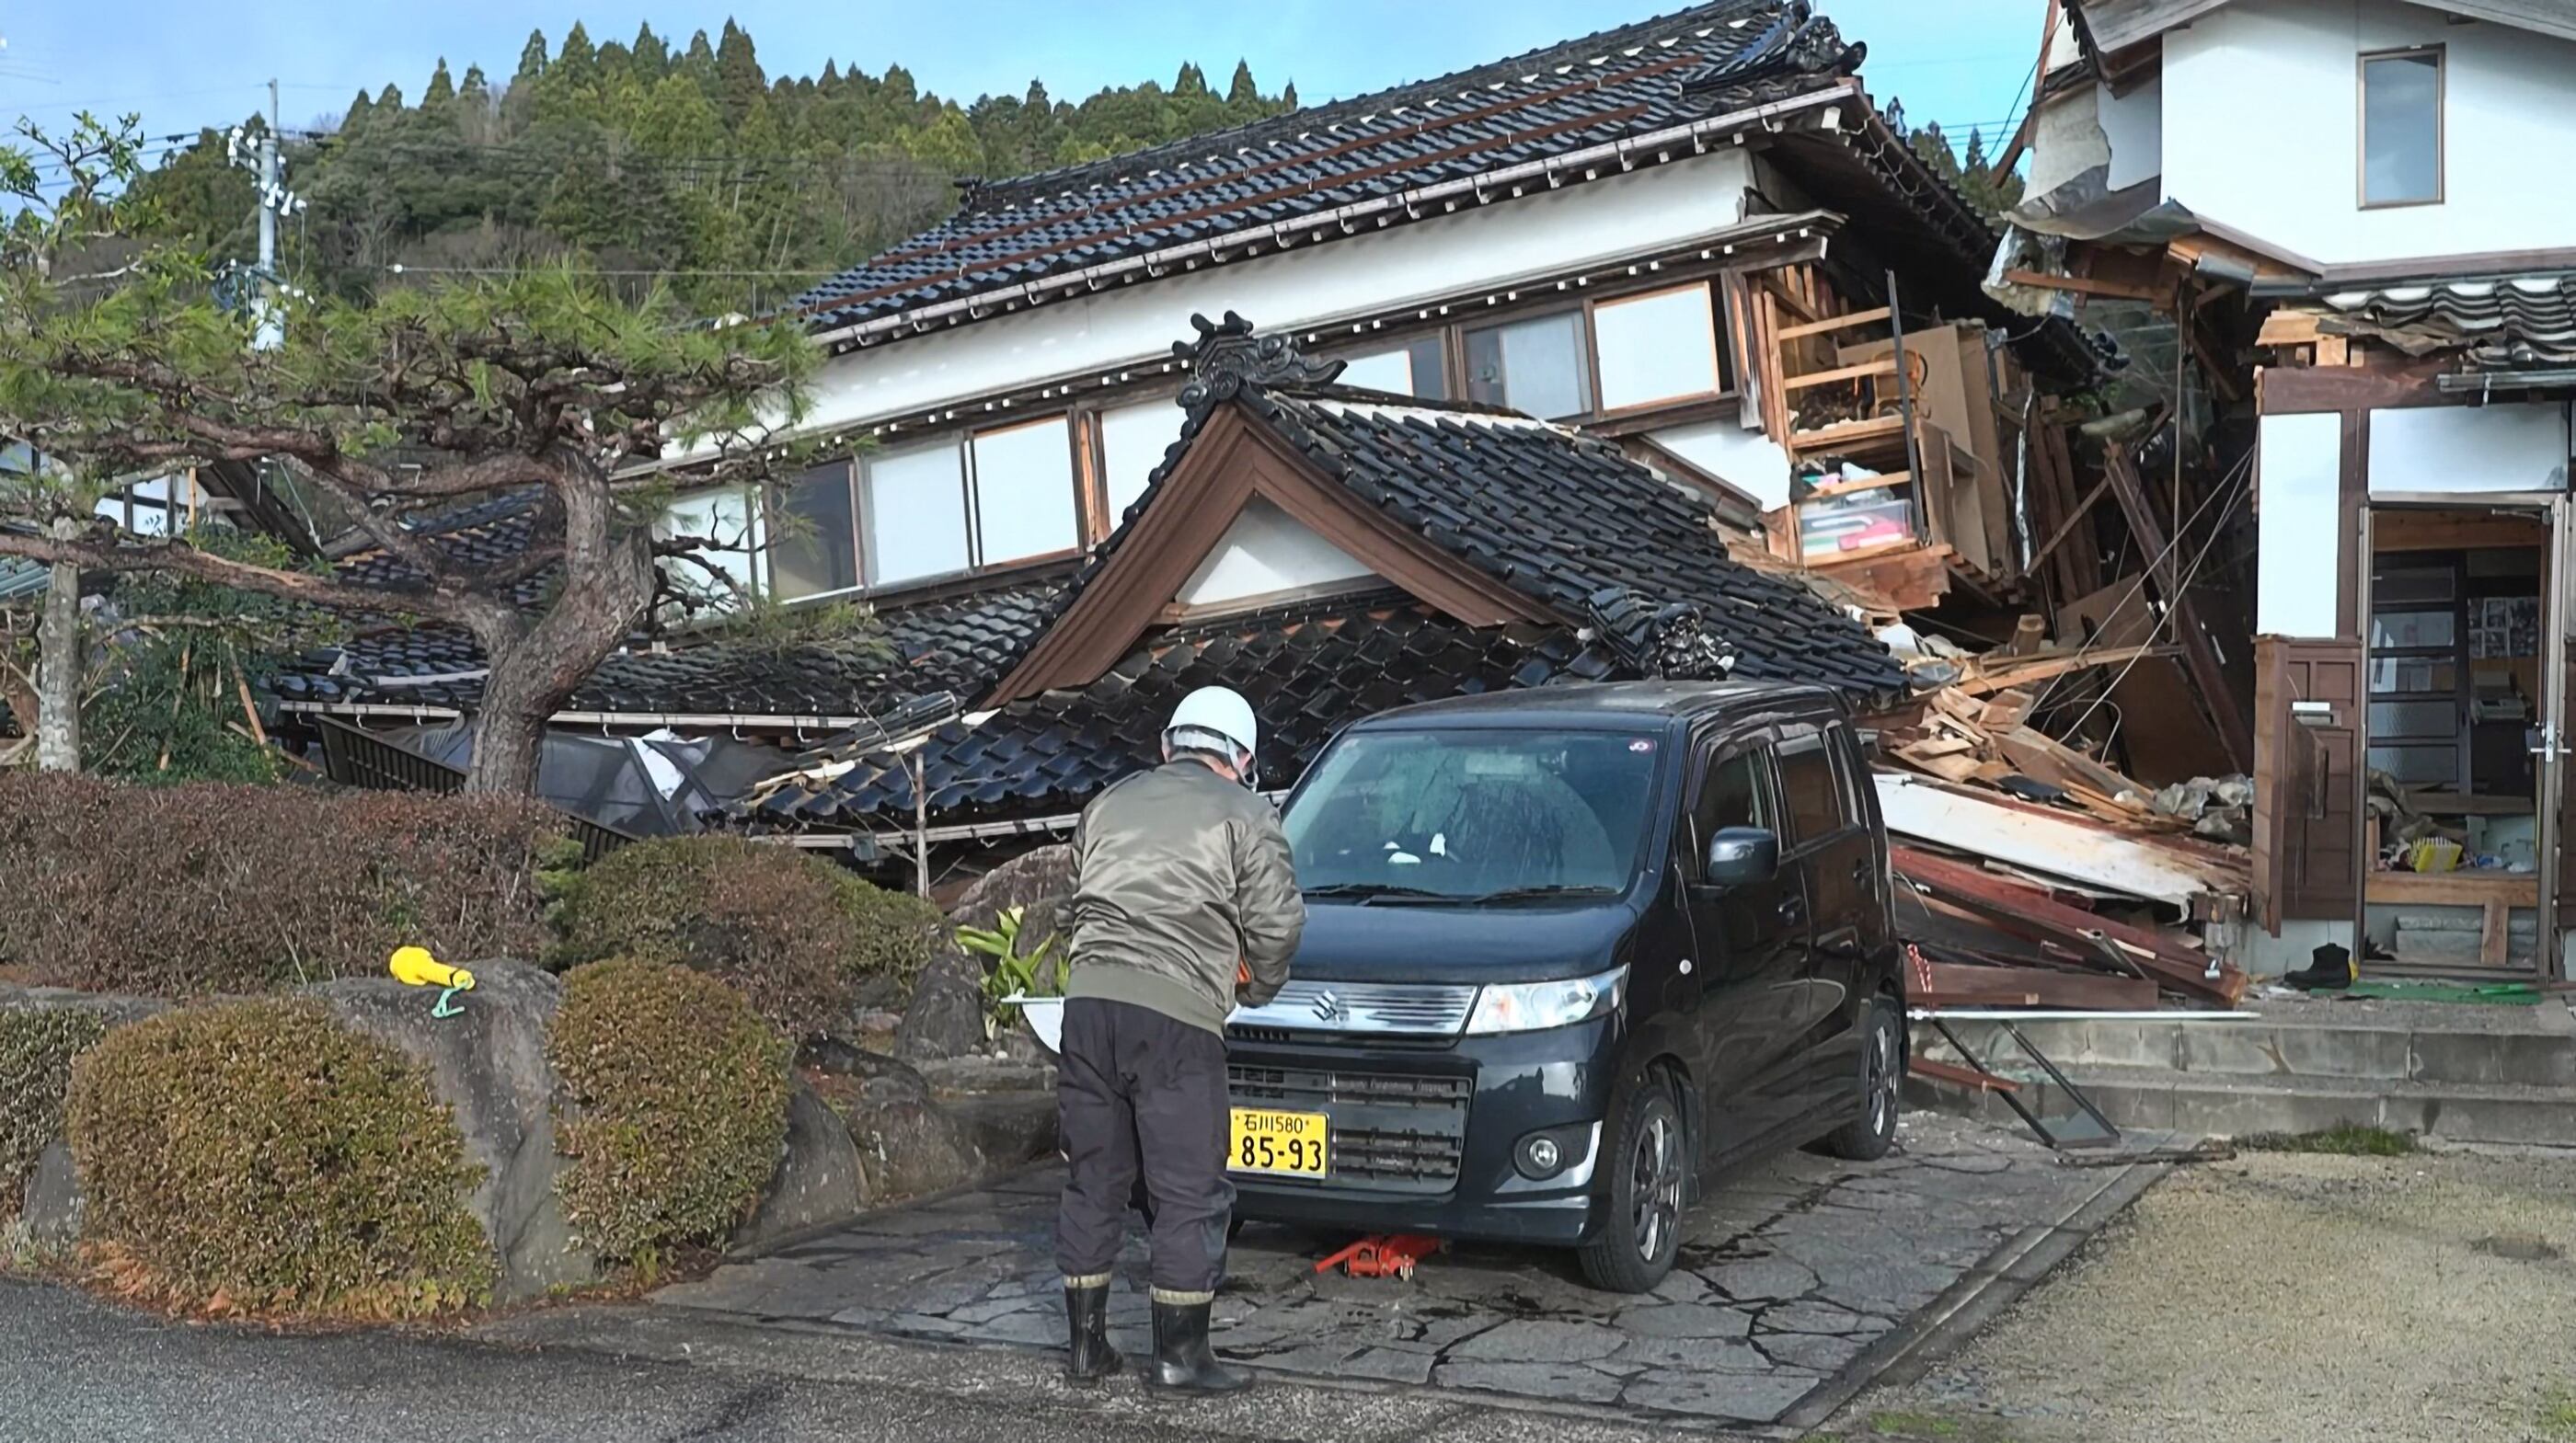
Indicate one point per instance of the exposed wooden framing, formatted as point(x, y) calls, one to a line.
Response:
point(1958, 1076)
point(1957, 984)
point(2284, 389)
point(2044, 668)
point(2200, 654)
point(2407, 529)
point(2066, 527)
point(2084, 286)
point(2452, 889)
point(2163, 869)
point(1885, 366)
point(1845, 433)
point(1868, 483)
point(1838, 323)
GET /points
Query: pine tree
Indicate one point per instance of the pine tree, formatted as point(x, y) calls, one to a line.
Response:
point(738, 77)
point(441, 89)
point(652, 55)
point(1191, 82)
point(532, 58)
point(577, 63)
point(475, 87)
point(1243, 92)
point(1288, 96)
point(390, 98)
point(357, 114)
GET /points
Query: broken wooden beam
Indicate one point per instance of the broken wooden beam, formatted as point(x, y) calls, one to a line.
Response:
point(2156, 868)
point(2028, 911)
point(2199, 652)
point(1958, 1076)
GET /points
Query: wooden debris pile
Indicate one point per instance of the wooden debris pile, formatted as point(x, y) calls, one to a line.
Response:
point(2033, 873)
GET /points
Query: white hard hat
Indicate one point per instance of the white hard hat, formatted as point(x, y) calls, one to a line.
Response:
point(1218, 709)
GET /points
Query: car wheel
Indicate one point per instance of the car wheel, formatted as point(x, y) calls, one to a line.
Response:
point(1649, 1167)
point(1867, 1137)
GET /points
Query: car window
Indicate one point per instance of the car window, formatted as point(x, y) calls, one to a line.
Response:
point(1736, 792)
point(1851, 773)
point(1810, 789)
point(1474, 811)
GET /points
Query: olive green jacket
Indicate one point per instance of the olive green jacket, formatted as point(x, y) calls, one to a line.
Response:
point(1181, 876)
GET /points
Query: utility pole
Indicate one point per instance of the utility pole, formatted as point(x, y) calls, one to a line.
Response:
point(270, 332)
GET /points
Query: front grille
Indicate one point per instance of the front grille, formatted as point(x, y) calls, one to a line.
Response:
point(1397, 1131)
point(1401, 1008)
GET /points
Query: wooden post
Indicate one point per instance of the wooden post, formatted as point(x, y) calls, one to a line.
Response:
point(920, 829)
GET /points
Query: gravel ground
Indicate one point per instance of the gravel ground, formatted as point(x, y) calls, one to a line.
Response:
point(2286, 1297)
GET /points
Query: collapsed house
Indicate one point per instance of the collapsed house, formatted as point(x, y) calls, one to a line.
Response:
point(1656, 353)
point(2376, 313)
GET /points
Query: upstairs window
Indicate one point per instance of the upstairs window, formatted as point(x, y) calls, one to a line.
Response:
point(1537, 367)
point(896, 516)
point(1412, 369)
point(1657, 348)
point(1132, 442)
point(2401, 127)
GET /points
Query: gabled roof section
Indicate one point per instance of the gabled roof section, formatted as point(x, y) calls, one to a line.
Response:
point(2112, 25)
point(1714, 59)
point(1488, 515)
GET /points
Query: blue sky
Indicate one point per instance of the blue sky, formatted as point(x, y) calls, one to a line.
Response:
point(185, 63)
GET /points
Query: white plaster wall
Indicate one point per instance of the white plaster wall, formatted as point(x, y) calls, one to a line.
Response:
point(2298, 477)
point(2519, 447)
point(2133, 124)
point(1749, 461)
point(1137, 324)
point(2261, 130)
point(1266, 550)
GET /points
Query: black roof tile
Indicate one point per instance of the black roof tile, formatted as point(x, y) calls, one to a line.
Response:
point(1732, 54)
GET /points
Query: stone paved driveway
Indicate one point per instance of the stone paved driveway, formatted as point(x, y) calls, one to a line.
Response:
point(1787, 1274)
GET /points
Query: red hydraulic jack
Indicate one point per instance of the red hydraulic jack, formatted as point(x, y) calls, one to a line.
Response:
point(1382, 1255)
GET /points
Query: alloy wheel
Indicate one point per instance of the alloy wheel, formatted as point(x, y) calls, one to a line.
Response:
point(1656, 1172)
point(1882, 1079)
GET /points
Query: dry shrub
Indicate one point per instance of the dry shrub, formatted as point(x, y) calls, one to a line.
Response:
point(261, 1157)
point(674, 1108)
point(193, 890)
point(807, 942)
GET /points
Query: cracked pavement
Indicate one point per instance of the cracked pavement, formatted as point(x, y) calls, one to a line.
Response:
point(1787, 1273)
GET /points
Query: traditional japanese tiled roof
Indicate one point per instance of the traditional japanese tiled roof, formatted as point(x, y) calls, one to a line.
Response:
point(1309, 670)
point(481, 533)
point(2498, 321)
point(1574, 524)
point(954, 644)
point(1710, 60)
point(1623, 566)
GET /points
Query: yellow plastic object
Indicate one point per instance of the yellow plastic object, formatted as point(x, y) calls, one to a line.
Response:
point(414, 967)
point(2433, 854)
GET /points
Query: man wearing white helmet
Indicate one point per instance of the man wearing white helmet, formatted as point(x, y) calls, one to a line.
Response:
point(1185, 901)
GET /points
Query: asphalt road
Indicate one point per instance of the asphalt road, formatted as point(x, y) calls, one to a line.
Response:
point(72, 1367)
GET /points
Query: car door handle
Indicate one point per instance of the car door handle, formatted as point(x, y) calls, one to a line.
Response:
point(1860, 871)
point(1793, 910)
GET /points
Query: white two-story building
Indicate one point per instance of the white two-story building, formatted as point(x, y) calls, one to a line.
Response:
point(2353, 207)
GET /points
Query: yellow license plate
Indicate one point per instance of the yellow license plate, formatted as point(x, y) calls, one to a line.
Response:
point(1291, 1143)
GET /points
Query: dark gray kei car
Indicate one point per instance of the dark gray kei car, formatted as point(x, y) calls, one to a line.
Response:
point(1570, 954)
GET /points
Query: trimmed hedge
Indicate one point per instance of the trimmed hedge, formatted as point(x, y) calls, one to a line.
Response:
point(259, 1156)
point(37, 1045)
point(674, 1108)
point(198, 890)
point(805, 941)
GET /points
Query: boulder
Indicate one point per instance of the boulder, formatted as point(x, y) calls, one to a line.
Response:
point(946, 1016)
point(907, 1143)
point(50, 1215)
point(488, 1064)
point(820, 1179)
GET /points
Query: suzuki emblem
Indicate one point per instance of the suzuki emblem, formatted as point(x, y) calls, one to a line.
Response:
point(1328, 1008)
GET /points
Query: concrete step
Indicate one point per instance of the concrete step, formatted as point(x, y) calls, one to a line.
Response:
point(2534, 1050)
point(2236, 1104)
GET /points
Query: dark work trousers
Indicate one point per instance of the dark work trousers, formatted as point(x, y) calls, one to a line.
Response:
point(1138, 1092)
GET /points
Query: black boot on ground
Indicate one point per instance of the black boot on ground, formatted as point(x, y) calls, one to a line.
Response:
point(1086, 1314)
point(1183, 1362)
point(2330, 969)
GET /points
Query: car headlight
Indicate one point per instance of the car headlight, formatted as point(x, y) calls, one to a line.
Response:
point(1534, 1006)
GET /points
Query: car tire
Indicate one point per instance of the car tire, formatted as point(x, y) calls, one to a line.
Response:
point(1867, 1137)
point(1649, 1169)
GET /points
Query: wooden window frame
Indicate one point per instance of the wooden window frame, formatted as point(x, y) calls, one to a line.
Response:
point(1081, 439)
point(1091, 451)
point(1708, 287)
point(1588, 385)
point(2441, 124)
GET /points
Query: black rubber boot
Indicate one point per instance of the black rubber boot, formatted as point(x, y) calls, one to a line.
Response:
point(1183, 1362)
point(1086, 1316)
point(2330, 969)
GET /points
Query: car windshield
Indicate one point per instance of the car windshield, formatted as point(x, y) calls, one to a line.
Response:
point(1396, 815)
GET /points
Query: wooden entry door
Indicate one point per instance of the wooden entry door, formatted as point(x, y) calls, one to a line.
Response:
point(2557, 830)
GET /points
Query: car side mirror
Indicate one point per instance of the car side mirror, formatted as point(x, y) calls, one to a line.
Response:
point(1739, 855)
